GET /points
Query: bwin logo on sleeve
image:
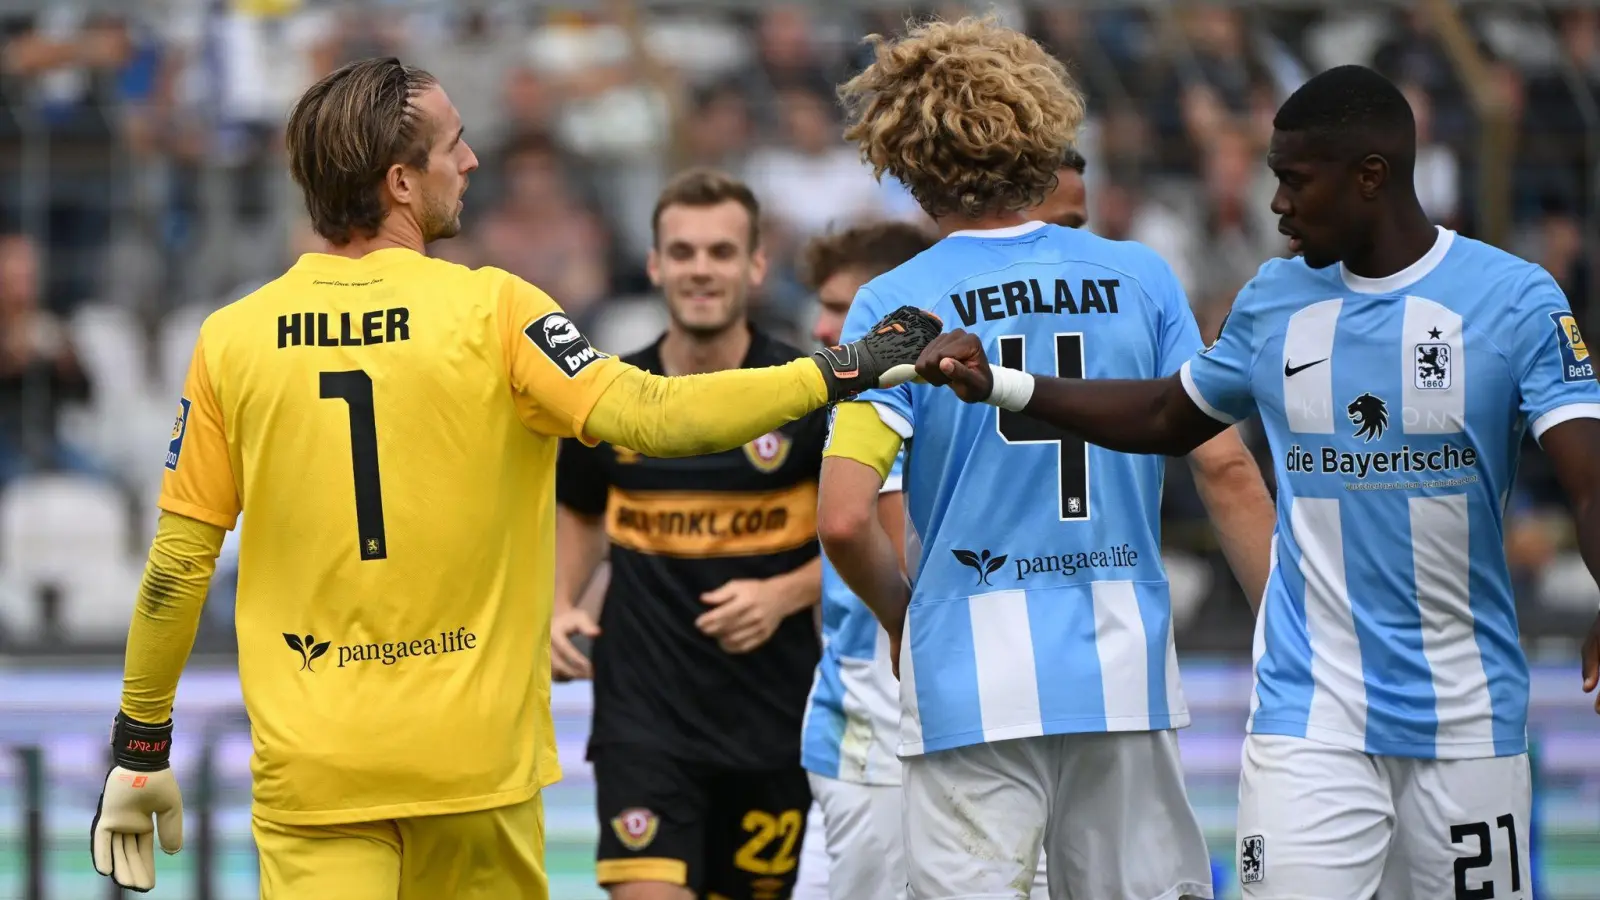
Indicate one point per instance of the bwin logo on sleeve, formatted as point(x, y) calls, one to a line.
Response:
point(1575, 362)
point(561, 340)
point(180, 427)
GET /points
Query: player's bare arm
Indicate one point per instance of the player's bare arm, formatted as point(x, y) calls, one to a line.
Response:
point(892, 516)
point(744, 613)
point(853, 536)
point(1570, 446)
point(580, 547)
point(1235, 496)
point(1144, 416)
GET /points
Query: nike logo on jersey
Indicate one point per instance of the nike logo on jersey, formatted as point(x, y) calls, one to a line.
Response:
point(1289, 370)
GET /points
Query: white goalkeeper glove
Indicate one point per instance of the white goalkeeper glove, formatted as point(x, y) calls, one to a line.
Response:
point(140, 801)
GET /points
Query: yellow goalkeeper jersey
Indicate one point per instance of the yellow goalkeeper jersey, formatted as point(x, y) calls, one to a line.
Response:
point(388, 428)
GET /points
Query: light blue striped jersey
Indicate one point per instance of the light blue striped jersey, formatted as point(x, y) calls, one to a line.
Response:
point(1039, 602)
point(853, 715)
point(1395, 408)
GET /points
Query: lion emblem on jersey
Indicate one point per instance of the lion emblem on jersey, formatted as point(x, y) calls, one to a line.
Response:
point(1370, 415)
point(1433, 361)
point(559, 330)
point(1252, 859)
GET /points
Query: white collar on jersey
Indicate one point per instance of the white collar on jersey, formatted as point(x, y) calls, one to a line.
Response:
point(1406, 277)
point(1006, 232)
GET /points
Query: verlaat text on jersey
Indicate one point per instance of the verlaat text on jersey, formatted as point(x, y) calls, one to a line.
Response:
point(376, 326)
point(1016, 298)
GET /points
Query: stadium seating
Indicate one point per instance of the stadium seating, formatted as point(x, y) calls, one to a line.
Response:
point(21, 613)
point(175, 346)
point(67, 537)
point(98, 602)
point(126, 419)
point(111, 347)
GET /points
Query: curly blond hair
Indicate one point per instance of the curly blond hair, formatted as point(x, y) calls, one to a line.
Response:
point(972, 117)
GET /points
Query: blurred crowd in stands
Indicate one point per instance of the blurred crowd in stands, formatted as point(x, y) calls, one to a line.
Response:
point(142, 185)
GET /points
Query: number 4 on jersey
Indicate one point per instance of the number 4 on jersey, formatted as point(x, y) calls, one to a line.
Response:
point(1072, 454)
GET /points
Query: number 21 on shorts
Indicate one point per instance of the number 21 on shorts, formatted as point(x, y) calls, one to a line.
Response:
point(1467, 884)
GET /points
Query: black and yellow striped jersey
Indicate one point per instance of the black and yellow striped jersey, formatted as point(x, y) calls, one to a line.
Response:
point(679, 528)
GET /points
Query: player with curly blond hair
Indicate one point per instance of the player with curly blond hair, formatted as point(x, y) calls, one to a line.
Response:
point(971, 117)
point(1039, 688)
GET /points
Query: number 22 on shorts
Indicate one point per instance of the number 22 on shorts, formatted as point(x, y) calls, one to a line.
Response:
point(766, 828)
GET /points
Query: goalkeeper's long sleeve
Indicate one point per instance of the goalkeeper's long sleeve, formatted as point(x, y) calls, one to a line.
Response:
point(690, 415)
point(167, 615)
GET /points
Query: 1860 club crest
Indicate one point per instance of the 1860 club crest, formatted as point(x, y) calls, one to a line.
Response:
point(1433, 364)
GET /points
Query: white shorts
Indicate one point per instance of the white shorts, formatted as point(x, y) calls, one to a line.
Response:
point(811, 882)
point(1319, 822)
point(863, 839)
point(1110, 811)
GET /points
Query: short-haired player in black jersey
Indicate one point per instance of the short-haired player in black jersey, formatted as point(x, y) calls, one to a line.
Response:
point(706, 644)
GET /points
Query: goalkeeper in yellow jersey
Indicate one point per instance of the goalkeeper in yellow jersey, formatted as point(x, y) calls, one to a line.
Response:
point(388, 424)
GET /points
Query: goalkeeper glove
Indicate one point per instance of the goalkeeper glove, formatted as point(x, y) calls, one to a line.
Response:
point(887, 356)
point(140, 786)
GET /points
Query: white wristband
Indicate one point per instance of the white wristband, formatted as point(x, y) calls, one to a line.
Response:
point(1012, 389)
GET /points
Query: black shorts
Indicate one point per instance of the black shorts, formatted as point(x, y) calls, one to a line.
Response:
point(722, 833)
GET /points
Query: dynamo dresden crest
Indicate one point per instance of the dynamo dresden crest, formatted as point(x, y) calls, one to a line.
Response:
point(768, 452)
point(635, 828)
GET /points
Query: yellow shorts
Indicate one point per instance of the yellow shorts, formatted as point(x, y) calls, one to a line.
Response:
point(493, 854)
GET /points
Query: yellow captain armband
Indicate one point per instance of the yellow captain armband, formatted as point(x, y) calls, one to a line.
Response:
point(857, 432)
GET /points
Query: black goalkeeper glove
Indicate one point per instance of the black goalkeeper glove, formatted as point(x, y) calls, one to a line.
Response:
point(887, 356)
point(140, 800)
